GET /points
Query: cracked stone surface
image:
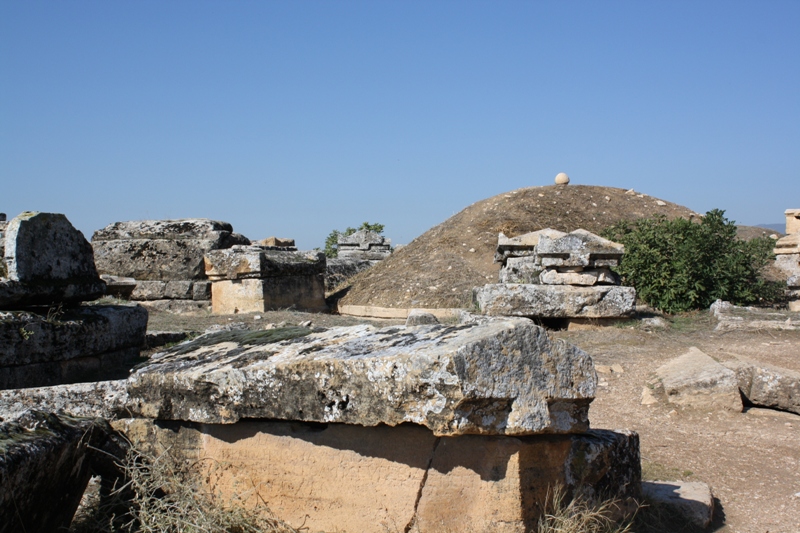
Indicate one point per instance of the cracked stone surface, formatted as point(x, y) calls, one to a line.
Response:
point(495, 376)
point(555, 301)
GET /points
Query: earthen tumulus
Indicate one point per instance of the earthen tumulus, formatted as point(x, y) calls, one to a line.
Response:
point(495, 377)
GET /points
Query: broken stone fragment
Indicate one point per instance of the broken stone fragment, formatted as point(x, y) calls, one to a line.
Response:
point(417, 317)
point(768, 386)
point(520, 270)
point(45, 261)
point(104, 399)
point(276, 242)
point(581, 277)
point(691, 500)
point(696, 380)
point(522, 245)
point(496, 377)
point(555, 301)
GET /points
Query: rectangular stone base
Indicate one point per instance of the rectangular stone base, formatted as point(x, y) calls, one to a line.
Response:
point(259, 295)
point(555, 301)
point(336, 477)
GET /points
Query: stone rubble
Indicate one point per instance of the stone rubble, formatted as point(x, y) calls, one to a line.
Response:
point(246, 279)
point(552, 274)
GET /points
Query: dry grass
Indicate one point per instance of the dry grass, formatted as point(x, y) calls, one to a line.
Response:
point(163, 495)
point(580, 515)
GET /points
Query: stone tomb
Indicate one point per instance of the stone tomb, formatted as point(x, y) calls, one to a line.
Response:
point(427, 428)
point(364, 245)
point(247, 279)
point(162, 259)
point(787, 259)
point(792, 221)
point(552, 274)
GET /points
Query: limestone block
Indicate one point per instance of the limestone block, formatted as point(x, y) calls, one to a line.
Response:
point(255, 262)
point(792, 221)
point(583, 277)
point(201, 290)
point(45, 261)
point(45, 466)
point(149, 290)
point(179, 307)
point(276, 242)
point(119, 286)
point(696, 380)
point(692, 500)
point(258, 295)
point(417, 317)
point(788, 263)
point(579, 248)
point(178, 290)
point(733, 317)
point(162, 250)
point(522, 245)
point(520, 270)
point(364, 245)
point(556, 301)
point(768, 386)
point(104, 399)
point(788, 245)
point(77, 345)
point(499, 376)
point(337, 477)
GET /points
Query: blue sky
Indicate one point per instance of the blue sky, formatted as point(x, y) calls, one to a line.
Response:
point(294, 118)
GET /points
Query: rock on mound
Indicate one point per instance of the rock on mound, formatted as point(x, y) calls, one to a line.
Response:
point(439, 268)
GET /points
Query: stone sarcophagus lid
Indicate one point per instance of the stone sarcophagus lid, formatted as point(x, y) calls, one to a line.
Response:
point(364, 245)
point(252, 278)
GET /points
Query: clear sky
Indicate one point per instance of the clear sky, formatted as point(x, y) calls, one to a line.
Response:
point(295, 118)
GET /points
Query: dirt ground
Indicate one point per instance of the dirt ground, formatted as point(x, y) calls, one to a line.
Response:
point(751, 460)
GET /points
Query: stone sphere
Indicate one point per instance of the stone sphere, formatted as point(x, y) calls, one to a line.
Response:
point(562, 178)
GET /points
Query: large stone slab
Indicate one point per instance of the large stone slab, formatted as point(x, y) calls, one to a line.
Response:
point(104, 399)
point(768, 386)
point(78, 344)
point(337, 477)
point(696, 380)
point(579, 248)
point(555, 301)
point(163, 250)
point(364, 245)
point(522, 245)
point(255, 262)
point(500, 377)
point(734, 317)
point(692, 500)
point(46, 260)
point(45, 464)
point(306, 293)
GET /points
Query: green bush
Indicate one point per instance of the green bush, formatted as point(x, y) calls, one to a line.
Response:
point(679, 265)
point(333, 238)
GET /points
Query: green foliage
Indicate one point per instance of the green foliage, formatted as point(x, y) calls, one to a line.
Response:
point(333, 238)
point(680, 265)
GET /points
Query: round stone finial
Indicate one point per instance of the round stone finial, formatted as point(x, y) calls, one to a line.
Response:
point(562, 178)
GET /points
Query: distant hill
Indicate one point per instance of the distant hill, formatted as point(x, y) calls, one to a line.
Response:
point(439, 268)
point(780, 227)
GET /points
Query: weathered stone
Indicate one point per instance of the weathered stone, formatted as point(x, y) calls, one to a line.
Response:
point(503, 377)
point(522, 245)
point(104, 399)
point(201, 290)
point(364, 245)
point(156, 339)
point(179, 307)
point(178, 290)
point(338, 477)
point(768, 386)
point(45, 465)
point(793, 282)
point(732, 317)
point(520, 270)
point(692, 500)
point(275, 242)
point(149, 290)
point(792, 221)
point(79, 344)
point(161, 250)
point(562, 179)
point(562, 301)
point(788, 263)
point(417, 317)
point(696, 380)
point(338, 270)
point(579, 248)
point(45, 261)
point(305, 293)
point(254, 262)
point(587, 277)
point(119, 286)
point(789, 244)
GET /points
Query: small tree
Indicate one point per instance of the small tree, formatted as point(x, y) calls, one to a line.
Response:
point(678, 265)
point(331, 241)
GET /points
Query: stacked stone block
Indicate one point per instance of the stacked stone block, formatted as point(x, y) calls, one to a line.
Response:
point(787, 257)
point(552, 274)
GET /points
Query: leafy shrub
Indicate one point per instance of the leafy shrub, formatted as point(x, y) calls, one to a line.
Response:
point(333, 238)
point(679, 265)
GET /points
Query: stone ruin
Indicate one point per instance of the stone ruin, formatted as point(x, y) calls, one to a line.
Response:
point(160, 262)
point(247, 279)
point(427, 428)
point(48, 335)
point(787, 257)
point(555, 275)
point(356, 252)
